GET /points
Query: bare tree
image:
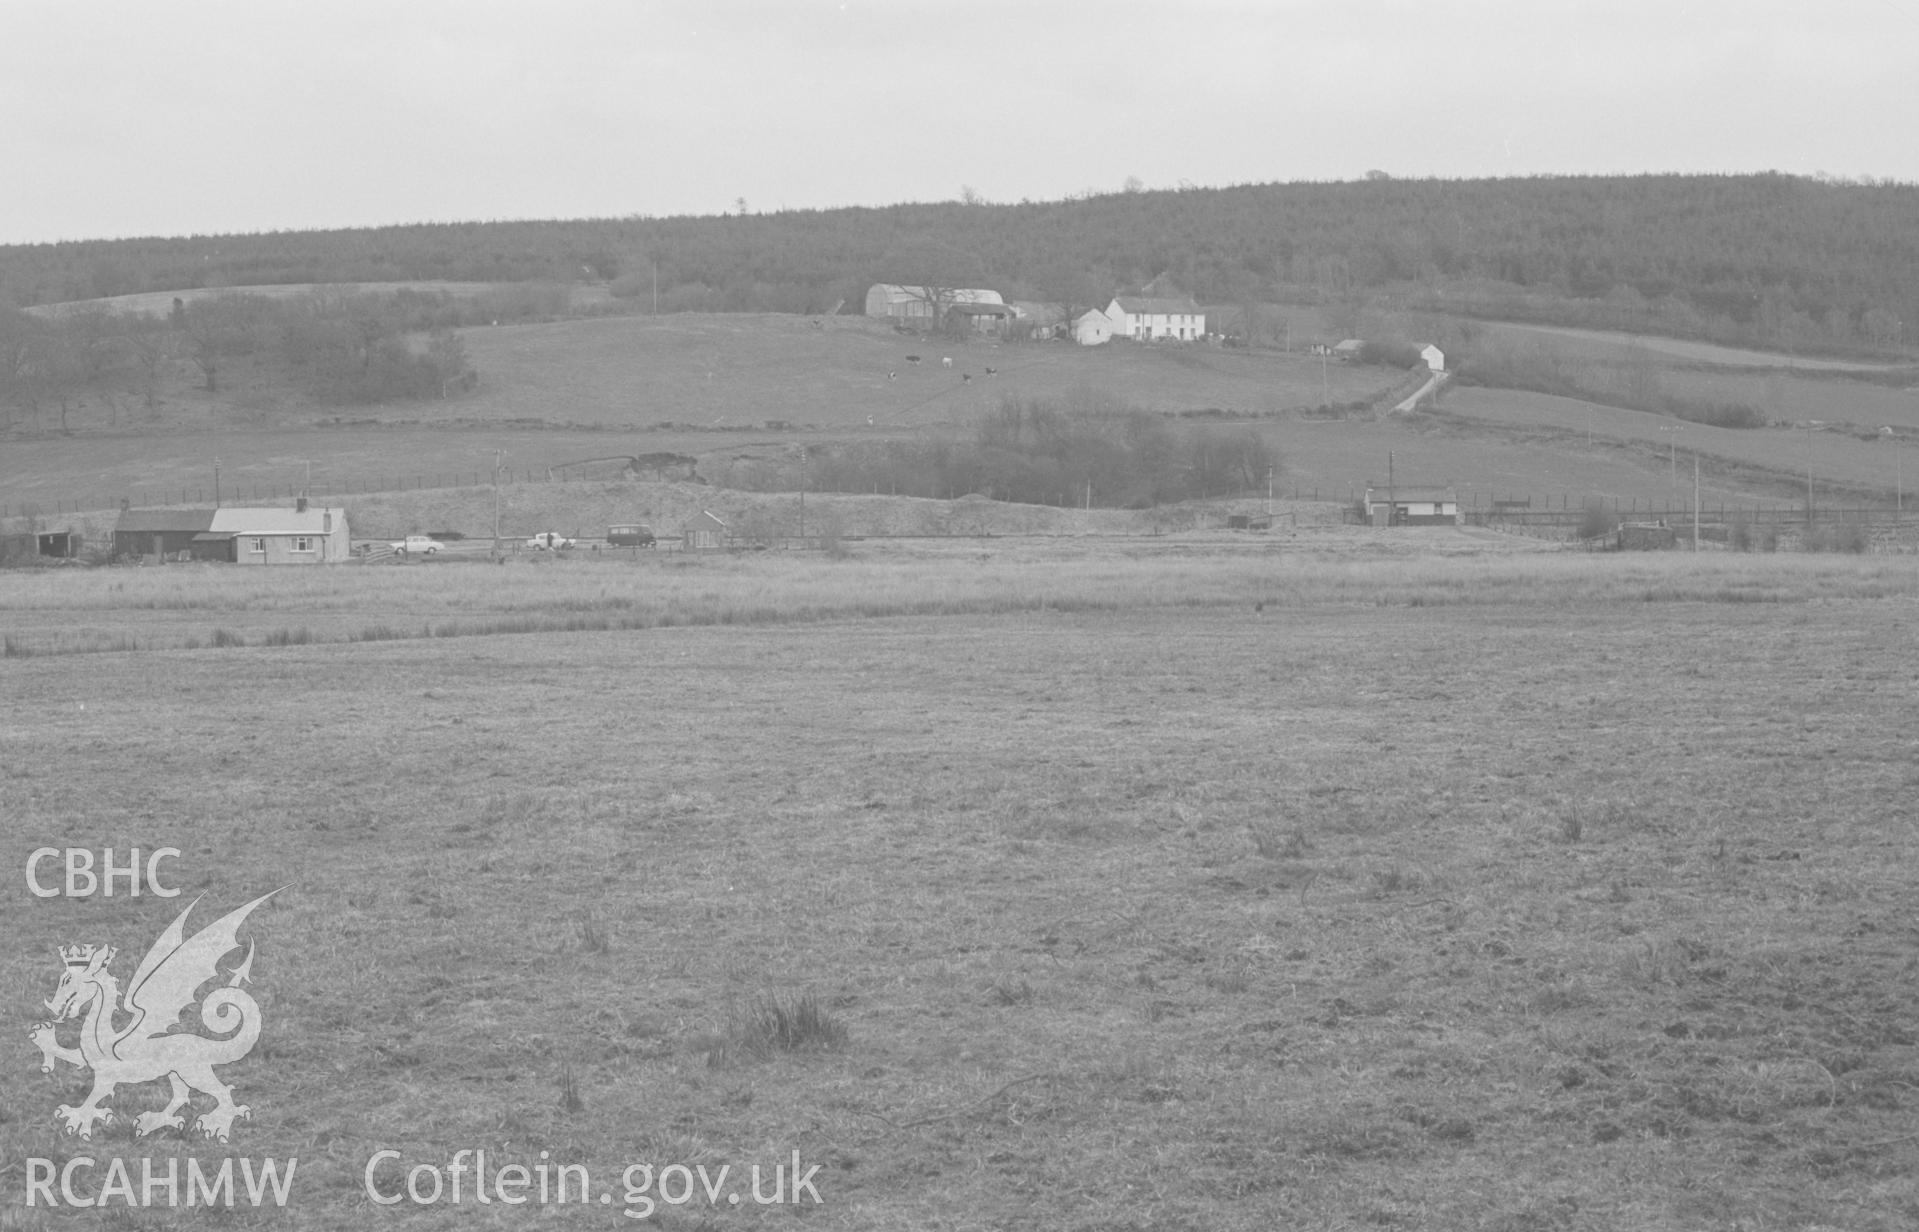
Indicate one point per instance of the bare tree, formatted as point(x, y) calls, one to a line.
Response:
point(152, 349)
point(934, 272)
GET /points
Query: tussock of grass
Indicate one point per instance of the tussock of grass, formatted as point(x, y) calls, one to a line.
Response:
point(794, 1025)
point(290, 637)
point(570, 1100)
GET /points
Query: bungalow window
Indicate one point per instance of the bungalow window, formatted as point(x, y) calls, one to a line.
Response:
point(302, 543)
point(256, 545)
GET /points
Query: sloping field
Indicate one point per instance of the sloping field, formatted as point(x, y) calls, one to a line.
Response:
point(1790, 397)
point(1482, 442)
point(1751, 461)
point(730, 369)
point(159, 303)
point(1687, 350)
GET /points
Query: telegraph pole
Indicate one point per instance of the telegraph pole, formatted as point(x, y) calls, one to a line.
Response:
point(1672, 464)
point(216, 483)
point(1898, 475)
point(499, 455)
point(1810, 425)
point(1695, 500)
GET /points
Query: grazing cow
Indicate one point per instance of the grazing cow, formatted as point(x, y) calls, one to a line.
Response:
point(992, 372)
point(966, 376)
point(946, 361)
point(912, 359)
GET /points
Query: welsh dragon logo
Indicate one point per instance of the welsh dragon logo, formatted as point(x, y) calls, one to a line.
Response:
point(147, 1047)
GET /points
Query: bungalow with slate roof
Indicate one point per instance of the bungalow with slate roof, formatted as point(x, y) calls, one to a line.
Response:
point(1412, 505)
point(302, 535)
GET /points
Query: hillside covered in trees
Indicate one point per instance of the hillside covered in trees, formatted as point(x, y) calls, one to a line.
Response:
point(1767, 259)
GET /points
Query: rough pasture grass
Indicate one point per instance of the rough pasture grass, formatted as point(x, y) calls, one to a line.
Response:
point(1017, 856)
point(570, 390)
point(1683, 351)
point(1736, 463)
point(734, 368)
point(75, 611)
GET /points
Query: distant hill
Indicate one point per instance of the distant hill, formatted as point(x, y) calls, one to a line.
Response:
point(1768, 259)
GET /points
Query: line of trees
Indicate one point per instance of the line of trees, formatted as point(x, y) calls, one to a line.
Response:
point(1042, 453)
point(1769, 259)
point(343, 349)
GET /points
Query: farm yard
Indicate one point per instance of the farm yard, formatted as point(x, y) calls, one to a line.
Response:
point(1354, 887)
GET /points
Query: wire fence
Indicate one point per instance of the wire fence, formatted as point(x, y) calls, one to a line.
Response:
point(1477, 507)
point(320, 490)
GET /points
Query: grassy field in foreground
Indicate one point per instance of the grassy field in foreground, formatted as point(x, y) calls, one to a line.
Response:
point(210, 607)
point(1434, 895)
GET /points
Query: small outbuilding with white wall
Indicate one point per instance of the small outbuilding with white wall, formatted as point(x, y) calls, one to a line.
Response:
point(1412, 505)
point(1093, 328)
point(703, 532)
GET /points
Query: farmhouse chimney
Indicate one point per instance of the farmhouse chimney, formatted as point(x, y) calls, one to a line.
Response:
point(300, 506)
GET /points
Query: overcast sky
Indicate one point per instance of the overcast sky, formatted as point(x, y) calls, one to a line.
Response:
point(153, 117)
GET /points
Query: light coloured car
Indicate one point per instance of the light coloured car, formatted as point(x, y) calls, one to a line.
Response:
point(426, 545)
point(548, 541)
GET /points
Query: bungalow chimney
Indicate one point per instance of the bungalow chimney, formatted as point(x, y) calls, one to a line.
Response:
point(300, 506)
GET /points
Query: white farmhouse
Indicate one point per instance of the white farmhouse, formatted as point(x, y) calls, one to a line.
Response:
point(1434, 357)
point(1149, 318)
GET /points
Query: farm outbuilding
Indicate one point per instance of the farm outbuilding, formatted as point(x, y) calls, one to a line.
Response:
point(1350, 349)
point(1040, 320)
point(1434, 357)
point(1412, 506)
point(1645, 537)
point(159, 534)
point(58, 543)
point(918, 304)
point(989, 319)
point(703, 532)
point(1093, 328)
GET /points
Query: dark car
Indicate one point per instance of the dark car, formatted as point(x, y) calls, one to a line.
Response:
point(630, 536)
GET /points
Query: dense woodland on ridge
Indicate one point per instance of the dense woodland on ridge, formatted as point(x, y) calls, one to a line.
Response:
point(1764, 259)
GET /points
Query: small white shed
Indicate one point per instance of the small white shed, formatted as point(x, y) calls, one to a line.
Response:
point(1092, 328)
